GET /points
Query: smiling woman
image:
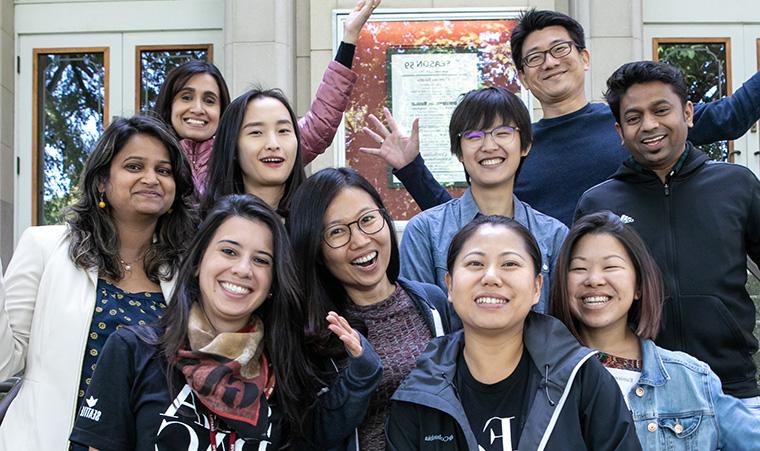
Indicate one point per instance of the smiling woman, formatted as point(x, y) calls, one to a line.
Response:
point(346, 252)
point(68, 288)
point(512, 378)
point(233, 313)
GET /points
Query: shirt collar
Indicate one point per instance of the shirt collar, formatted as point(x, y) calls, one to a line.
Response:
point(469, 209)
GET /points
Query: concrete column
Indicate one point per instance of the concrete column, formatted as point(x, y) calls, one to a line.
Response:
point(613, 36)
point(7, 75)
point(259, 45)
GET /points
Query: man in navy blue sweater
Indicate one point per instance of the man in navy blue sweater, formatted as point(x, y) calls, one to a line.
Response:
point(575, 145)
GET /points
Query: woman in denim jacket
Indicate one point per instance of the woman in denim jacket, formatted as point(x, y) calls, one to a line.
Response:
point(608, 292)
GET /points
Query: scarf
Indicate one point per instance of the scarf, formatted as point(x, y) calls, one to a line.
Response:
point(228, 372)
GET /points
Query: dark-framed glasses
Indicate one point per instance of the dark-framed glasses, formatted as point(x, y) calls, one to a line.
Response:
point(558, 50)
point(370, 222)
point(502, 135)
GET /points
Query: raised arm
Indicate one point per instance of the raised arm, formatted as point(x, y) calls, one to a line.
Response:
point(319, 124)
point(402, 153)
point(342, 406)
point(729, 117)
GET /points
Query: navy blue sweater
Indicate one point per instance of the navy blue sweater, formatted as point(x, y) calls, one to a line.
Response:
point(576, 151)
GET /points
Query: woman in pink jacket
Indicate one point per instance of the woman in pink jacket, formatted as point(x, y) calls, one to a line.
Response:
point(195, 95)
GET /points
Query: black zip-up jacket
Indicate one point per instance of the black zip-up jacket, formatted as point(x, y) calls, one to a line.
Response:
point(577, 404)
point(700, 225)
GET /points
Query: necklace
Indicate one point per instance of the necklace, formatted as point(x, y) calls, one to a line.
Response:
point(128, 265)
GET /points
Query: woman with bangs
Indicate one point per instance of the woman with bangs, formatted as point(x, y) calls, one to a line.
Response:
point(490, 133)
point(195, 96)
point(608, 292)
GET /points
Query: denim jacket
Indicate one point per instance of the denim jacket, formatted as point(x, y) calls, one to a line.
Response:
point(427, 236)
point(678, 404)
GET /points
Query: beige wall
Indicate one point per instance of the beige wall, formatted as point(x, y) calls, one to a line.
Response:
point(7, 65)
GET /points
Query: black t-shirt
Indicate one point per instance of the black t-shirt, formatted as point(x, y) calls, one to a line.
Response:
point(496, 412)
point(128, 407)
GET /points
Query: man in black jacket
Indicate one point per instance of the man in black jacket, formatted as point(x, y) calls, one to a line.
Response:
point(700, 219)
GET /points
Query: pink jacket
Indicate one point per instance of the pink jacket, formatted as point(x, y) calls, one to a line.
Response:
point(317, 126)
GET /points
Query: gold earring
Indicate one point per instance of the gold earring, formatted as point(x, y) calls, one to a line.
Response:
point(102, 203)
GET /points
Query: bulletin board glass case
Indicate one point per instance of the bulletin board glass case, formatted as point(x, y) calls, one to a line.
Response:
point(418, 64)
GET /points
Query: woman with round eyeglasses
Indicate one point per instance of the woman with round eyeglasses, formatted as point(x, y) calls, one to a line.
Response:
point(345, 247)
point(490, 133)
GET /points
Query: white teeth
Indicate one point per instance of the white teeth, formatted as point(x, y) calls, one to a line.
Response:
point(596, 299)
point(492, 161)
point(489, 300)
point(272, 160)
point(195, 122)
point(236, 289)
point(652, 140)
point(365, 258)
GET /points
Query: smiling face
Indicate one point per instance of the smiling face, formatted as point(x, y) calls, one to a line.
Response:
point(361, 265)
point(557, 79)
point(654, 125)
point(235, 273)
point(493, 284)
point(196, 108)
point(140, 180)
point(267, 145)
point(492, 162)
point(601, 283)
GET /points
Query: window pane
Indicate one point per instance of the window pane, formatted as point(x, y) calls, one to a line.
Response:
point(155, 64)
point(71, 98)
point(704, 65)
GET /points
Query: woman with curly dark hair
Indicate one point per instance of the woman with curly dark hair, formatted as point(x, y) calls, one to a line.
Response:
point(69, 286)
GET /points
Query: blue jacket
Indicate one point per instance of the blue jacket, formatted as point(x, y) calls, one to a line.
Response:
point(342, 406)
point(577, 404)
point(678, 405)
point(573, 152)
point(427, 236)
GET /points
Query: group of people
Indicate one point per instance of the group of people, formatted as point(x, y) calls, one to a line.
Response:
point(205, 294)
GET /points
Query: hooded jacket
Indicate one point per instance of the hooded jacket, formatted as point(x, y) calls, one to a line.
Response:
point(343, 406)
point(701, 224)
point(577, 404)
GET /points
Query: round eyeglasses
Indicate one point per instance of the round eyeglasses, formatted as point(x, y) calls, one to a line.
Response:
point(502, 135)
point(558, 50)
point(370, 222)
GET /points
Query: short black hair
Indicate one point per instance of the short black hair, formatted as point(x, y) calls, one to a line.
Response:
point(534, 20)
point(480, 107)
point(638, 72)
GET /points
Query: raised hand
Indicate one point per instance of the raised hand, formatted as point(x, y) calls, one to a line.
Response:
point(397, 149)
point(347, 334)
point(357, 18)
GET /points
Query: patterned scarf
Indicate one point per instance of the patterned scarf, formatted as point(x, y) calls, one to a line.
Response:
point(229, 372)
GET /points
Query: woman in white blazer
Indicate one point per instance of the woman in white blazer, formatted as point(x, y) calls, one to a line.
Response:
point(68, 287)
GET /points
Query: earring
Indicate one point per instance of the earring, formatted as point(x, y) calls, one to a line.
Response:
point(102, 203)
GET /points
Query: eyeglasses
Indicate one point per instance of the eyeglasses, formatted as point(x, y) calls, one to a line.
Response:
point(558, 50)
point(502, 135)
point(338, 235)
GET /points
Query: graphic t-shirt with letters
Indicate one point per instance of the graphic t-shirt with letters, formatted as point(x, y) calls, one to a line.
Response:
point(128, 406)
point(496, 412)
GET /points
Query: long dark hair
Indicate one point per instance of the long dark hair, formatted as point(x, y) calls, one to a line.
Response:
point(322, 291)
point(178, 78)
point(281, 314)
point(94, 241)
point(644, 315)
point(225, 174)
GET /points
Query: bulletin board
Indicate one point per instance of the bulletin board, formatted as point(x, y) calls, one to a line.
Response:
point(445, 43)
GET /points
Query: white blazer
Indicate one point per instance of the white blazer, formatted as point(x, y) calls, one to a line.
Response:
point(45, 319)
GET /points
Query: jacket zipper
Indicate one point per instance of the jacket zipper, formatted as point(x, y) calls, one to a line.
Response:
point(675, 298)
